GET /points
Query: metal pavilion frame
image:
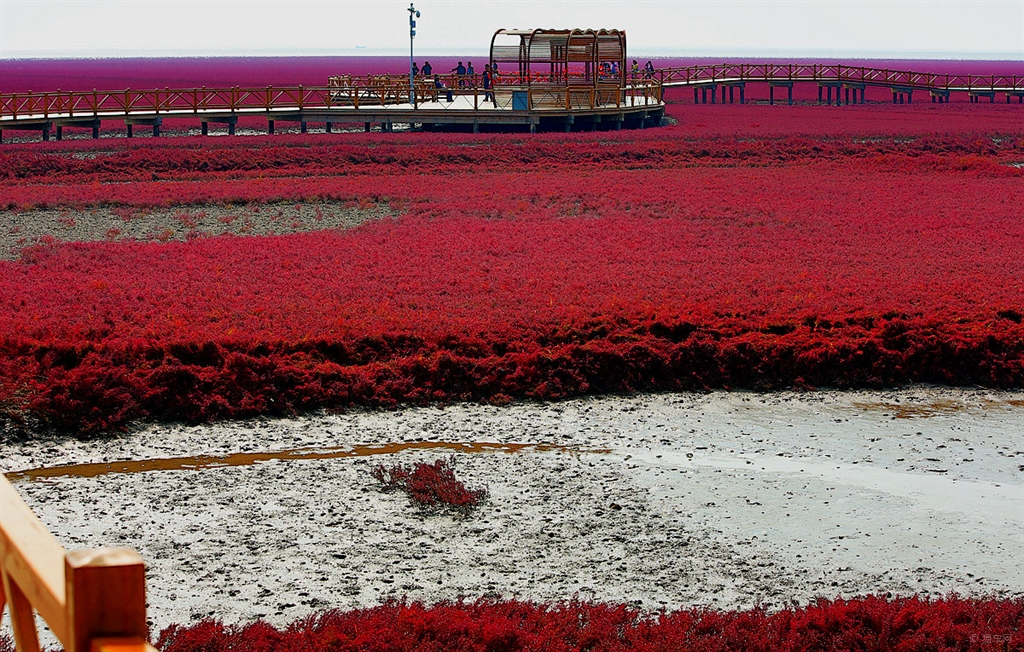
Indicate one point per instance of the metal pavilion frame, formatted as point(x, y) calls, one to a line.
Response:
point(560, 57)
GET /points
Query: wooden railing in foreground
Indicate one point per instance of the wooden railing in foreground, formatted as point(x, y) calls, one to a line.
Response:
point(93, 600)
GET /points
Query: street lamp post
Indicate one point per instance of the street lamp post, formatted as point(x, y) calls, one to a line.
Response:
point(413, 15)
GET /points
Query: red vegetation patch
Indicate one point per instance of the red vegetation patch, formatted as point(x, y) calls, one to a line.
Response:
point(429, 485)
point(869, 623)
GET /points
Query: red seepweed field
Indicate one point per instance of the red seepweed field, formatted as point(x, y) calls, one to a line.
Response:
point(738, 247)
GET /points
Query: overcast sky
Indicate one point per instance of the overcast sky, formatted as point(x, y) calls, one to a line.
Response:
point(903, 28)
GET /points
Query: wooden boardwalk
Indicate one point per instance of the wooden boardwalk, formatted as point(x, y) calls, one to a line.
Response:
point(531, 108)
point(708, 79)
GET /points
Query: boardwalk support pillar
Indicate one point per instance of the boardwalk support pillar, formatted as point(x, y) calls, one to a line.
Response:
point(788, 85)
point(732, 86)
point(855, 87)
point(81, 123)
point(899, 93)
point(150, 121)
point(44, 127)
point(230, 121)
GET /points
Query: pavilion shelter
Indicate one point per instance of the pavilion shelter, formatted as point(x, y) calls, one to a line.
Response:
point(562, 62)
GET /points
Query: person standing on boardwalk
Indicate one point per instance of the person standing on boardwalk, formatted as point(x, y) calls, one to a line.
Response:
point(648, 70)
point(460, 74)
point(470, 71)
point(487, 82)
point(415, 70)
point(427, 69)
point(635, 70)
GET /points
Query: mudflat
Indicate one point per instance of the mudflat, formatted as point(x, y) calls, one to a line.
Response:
point(725, 499)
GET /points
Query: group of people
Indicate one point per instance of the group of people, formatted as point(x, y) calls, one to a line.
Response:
point(461, 74)
point(609, 69)
point(648, 70)
point(464, 72)
point(426, 71)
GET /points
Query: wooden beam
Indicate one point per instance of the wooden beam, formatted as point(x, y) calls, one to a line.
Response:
point(32, 560)
point(106, 592)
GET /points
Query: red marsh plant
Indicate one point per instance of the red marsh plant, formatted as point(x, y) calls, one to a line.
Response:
point(429, 485)
point(906, 624)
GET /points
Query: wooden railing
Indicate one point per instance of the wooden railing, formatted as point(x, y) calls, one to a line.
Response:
point(92, 600)
point(340, 93)
point(768, 72)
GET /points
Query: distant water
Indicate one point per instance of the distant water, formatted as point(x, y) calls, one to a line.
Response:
point(22, 75)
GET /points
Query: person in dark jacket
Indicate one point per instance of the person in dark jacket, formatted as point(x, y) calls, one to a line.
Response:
point(487, 82)
point(460, 74)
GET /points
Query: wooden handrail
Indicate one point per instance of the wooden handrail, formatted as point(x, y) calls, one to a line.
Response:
point(93, 600)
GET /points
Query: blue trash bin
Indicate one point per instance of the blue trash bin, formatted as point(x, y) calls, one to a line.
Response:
point(520, 101)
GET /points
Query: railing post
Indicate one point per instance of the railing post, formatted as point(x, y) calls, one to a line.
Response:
point(106, 595)
point(22, 622)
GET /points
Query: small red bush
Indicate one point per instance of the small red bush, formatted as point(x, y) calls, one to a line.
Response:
point(429, 485)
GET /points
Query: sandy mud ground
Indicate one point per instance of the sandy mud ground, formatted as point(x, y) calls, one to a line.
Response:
point(22, 229)
point(724, 499)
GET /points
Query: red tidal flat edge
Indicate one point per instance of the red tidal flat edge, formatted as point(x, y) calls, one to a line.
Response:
point(867, 623)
